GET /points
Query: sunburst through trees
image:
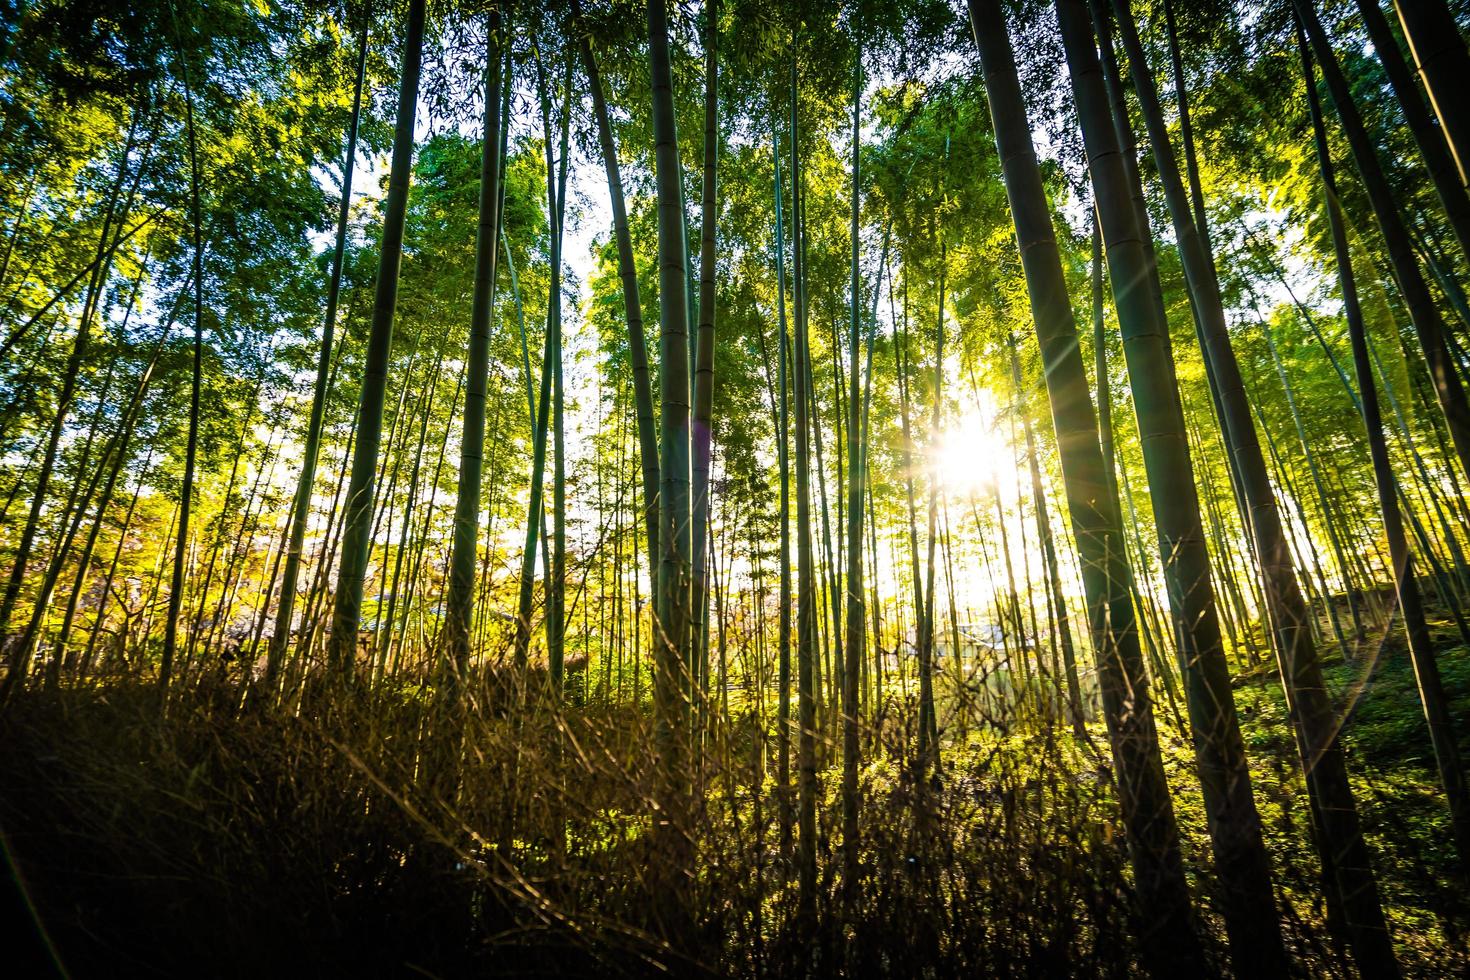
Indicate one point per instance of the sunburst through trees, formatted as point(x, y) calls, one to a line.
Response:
point(749, 488)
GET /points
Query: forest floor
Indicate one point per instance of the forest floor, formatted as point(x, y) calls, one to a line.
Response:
point(220, 843)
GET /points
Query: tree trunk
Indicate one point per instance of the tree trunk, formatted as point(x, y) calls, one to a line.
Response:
point(1173, 945)
point(783, 462)
point(806, 586)
point(1250, 908)
point(556, 592)
point(1423, 311)
point(1428, 135)
point(856, 481)
point(928, 718)
point(460, 602)
point(535, 519)
point(186, 493)
point(119, 460)
point(632, 308)
point(704, 358)
point(1334, 539)
point(1406, 584)
point(306, 482)
point(1053, 570)
point(20, 656)
point(356, 535)
point(671, 614)
point(1439, 53)
point(901, 371)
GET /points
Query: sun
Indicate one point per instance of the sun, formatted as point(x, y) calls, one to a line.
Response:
point(972, 453)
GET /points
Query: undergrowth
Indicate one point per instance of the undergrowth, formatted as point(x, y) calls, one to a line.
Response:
point(362, 839)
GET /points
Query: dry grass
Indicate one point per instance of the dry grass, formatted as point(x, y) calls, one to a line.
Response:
point(391, 840)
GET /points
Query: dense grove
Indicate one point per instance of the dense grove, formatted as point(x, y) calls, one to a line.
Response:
point(753, 488)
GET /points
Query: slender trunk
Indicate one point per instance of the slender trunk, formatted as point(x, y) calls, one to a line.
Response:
point(535, 519)
point(854, 643)
point(1423, 310)
point(1406, 584)
point(119, 459)
point(1428, 135)
point(835, 560)
point(671, 616)
point(1014, 638)
point(227, 510)
point(900, 365)
point(460, 604)
point(80, 346)
point(418, 563)
point(186, 493)
point(1287, 608)
point(806, 587)
point(831, 619)
point(1053, 570)
point(1164, 894)
point(872, 678)
point(356, 535)
point(100, 617)
point(74, 512)
point(632, 308)
point(1439, 54)
point(704, 354)
point(556, 619)
point(73, 516)
point(327, 553)
point(783, 462)
point(306, 482)
point(928, 720)
point(389, 624)
point(1334, 540)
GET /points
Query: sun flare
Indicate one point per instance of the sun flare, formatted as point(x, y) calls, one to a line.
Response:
point(972, 455)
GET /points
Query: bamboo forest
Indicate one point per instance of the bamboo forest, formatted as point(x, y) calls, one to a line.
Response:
point(751, 488)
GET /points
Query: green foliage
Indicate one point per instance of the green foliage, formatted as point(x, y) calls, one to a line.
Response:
point(1012, 859)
